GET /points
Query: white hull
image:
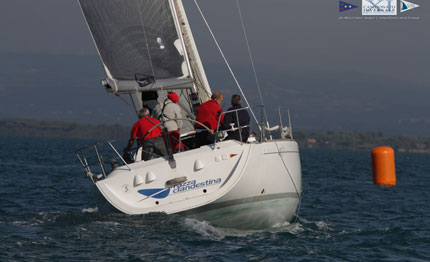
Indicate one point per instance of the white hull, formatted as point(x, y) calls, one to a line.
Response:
point(234, 185)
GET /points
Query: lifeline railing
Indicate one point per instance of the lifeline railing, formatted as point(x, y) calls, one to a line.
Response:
point(101, 162)
point(284, 131)
point(100, 159)
point(239, 127)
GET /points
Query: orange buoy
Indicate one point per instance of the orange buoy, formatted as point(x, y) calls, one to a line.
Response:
point(383, 167)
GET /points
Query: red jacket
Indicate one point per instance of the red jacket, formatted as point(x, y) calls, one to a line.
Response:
point(144, 125)
point(209, 113)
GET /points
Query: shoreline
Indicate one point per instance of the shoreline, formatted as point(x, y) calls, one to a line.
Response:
point(354, 140)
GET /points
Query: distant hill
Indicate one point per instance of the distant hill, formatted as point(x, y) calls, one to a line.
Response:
point(359, 140)
point(331, 140)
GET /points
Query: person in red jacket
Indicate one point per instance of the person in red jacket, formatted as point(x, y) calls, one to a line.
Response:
point(152, 142)
point(209, 114)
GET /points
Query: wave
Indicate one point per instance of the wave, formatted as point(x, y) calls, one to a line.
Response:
point(34, 219)
point(204, 229)
point(301, 228)
point(90, 210)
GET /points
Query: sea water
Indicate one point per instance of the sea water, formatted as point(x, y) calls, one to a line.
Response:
point(47, 213)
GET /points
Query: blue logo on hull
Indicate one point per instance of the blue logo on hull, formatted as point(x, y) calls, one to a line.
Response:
point(155, 192)
point(159, 193)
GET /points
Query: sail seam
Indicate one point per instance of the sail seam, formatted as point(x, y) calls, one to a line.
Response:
point(146, 39)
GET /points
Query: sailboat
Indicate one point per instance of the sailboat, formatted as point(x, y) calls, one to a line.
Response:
point(147, 50)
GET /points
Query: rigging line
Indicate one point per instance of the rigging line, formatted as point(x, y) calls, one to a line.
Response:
point(252, 60)
point(298, 207)
point(225, 59)
point(200, 88)
point(199, 83)
point(288, 171)
point(118, 95)
point(123, 99)
point(185, 97)
point(146, 39)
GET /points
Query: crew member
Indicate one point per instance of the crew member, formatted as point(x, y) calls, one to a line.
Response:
point(169, 115)
point(233, 117)
point(152, 143)
point(209, 114)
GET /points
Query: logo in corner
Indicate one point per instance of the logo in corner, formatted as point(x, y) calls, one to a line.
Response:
point(344, 6)
point(379, 7)
point(406, 6)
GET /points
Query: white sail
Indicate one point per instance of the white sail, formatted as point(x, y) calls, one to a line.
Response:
point(149, 41)
point(134, 37)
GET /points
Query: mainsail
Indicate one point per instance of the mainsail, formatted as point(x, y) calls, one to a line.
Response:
point(149, 40)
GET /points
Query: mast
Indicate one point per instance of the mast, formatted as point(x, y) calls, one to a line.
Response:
point(181, 36)
point(195, 63)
